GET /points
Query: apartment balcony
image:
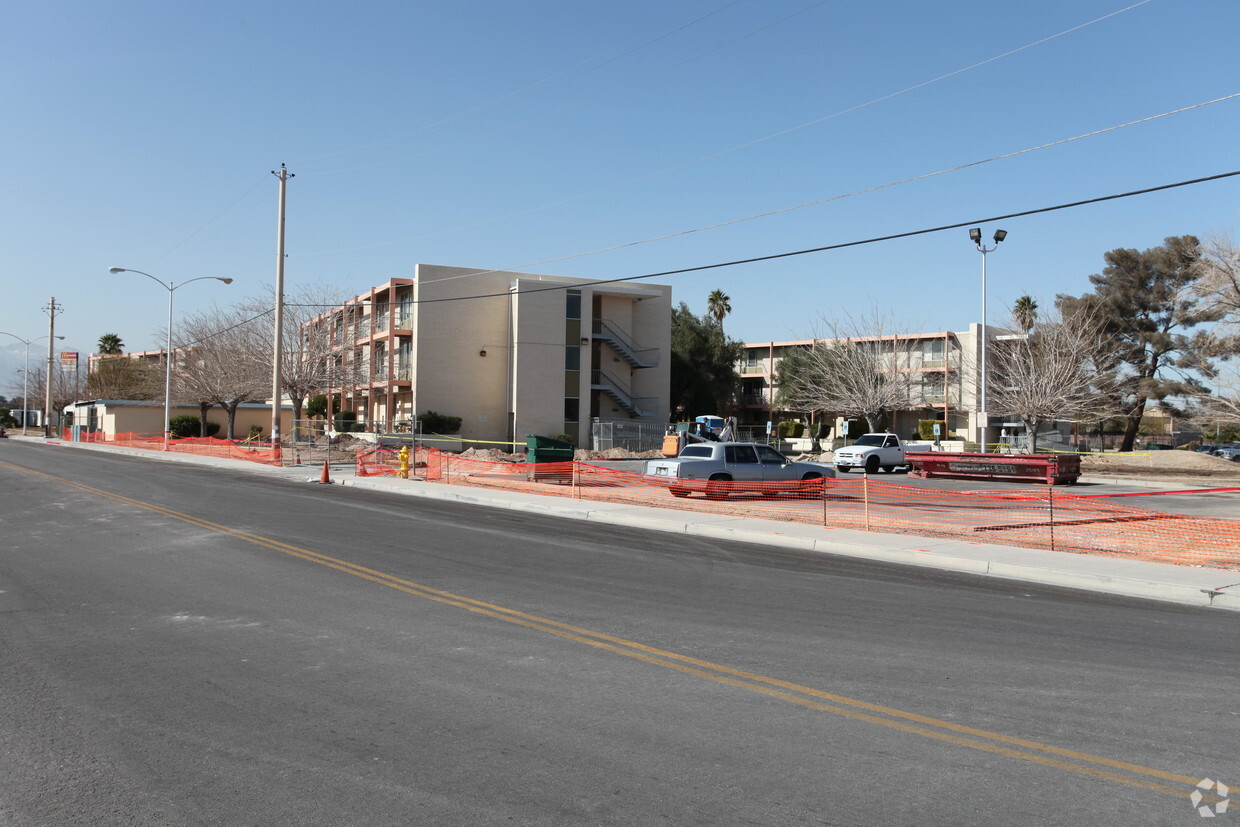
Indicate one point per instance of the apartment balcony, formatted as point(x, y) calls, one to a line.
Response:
point(754, 400)
point(755, 367)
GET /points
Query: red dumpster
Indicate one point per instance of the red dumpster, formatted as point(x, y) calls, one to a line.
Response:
point(1052, 469)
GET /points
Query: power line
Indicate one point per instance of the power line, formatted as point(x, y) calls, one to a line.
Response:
point(712, 156)
point(842, 245)
point(852, 194)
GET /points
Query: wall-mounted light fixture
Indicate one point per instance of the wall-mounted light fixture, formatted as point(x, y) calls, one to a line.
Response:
point(482, 353)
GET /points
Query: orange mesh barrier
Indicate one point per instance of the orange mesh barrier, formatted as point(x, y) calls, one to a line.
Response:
point(380, 462)
point(1042, 518)
point(260, 452)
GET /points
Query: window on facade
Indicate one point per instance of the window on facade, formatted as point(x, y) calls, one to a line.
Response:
point(572, 358)
point(572, 409)
point(572, 305)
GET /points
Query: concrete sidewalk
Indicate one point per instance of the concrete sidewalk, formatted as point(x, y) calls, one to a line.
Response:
point(1186, 585)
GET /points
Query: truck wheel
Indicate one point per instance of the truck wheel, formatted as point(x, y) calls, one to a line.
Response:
point(718, 491)
point(890, 469)
point(871, 465)
point(843, 469)
point(679, 492)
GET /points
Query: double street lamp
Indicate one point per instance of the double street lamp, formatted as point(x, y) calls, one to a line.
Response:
point(26, 375)
point(975, 235)
point(171, 288)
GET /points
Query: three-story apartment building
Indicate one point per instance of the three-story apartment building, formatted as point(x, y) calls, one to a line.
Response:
point(510, 353)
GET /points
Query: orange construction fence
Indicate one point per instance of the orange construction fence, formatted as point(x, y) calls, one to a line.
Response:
point(1036, 518)
point(260, 452)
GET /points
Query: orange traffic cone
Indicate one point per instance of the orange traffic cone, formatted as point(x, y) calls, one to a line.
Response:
point(326, 478)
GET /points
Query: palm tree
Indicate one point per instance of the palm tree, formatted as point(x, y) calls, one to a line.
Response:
point(1025, 312)
point(111, 345)
point(718, 305)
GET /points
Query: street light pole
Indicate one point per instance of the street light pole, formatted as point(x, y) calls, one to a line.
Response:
point(975, 235)
point(171, 288)
point(26, 376)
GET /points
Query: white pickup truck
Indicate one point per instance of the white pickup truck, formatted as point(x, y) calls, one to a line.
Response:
point(875, 451)
point(717, 469)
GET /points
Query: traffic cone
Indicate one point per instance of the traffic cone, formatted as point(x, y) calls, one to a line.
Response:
point(326, 478)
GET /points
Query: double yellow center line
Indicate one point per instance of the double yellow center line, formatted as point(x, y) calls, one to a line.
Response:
point(1132, 775)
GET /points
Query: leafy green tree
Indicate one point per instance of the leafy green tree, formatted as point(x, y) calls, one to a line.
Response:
point(1149, 302)
point(1025, 313)
point(111, 345)
point(704, 376)
point(718, 306)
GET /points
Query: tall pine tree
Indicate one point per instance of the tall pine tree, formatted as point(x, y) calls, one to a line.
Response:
point(1148, 303)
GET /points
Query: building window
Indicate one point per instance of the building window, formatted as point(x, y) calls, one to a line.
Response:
point(572, 409)
point(572, 358)
point(572, 305)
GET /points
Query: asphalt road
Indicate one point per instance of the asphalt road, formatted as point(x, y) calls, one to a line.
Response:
point(182, 645)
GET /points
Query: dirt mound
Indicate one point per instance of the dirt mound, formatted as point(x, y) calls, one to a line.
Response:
point(1160, 464)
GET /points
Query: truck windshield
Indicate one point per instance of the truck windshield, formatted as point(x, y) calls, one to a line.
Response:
point(870, 439)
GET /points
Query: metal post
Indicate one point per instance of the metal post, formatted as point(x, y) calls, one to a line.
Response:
point(171, 288)
point(51, 341)
point(277, 357)
point(25, 394)
point(168, 374)
point(865, 493)
point(975, 235)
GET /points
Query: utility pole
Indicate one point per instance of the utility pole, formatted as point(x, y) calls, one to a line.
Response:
point(277, 356)
point(51, 309)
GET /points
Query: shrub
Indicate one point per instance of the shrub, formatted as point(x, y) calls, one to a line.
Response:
point(437, 423)
point(790, 429)
point(256, 431)
point(185, 425)
point(925, 428)
point(346, 421)
point(564, 438)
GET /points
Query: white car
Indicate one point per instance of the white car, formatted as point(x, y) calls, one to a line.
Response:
point(730, 465)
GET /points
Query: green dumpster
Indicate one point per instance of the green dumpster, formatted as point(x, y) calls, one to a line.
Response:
point(540, 450)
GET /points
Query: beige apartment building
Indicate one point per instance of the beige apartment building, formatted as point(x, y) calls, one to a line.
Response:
point(510, 353)
point(942, 369)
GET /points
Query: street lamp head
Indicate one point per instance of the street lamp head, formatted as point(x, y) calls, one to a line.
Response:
point(115, 270)
point(1000, 235)
point(226, 281)
point(975, 235)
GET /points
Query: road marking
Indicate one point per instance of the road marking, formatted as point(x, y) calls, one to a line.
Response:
point(909, 722)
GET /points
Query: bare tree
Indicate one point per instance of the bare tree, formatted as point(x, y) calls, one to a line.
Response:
point(854, 371)
point(64, 390)
point(214, 362)
point(1064, 371)
point(1220, 276)
point(1220, 408)
point(309, 365)
point(122, 377)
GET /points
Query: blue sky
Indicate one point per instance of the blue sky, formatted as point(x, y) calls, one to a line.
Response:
point(516, 135)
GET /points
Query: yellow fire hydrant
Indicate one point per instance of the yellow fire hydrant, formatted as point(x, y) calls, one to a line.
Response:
point(403, 455)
